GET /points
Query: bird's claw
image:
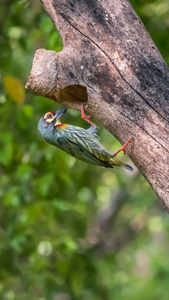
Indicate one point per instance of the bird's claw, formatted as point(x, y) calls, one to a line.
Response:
point(86, 118)
point(123, 148)
point(85, 105)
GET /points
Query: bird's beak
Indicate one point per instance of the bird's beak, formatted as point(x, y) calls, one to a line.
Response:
point(59, 113)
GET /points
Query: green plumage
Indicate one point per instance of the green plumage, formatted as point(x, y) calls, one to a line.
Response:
point(78, 142)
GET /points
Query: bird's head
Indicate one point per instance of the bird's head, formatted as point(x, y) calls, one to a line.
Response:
point(52, 117)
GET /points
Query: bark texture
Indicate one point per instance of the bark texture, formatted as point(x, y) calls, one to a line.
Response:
point(110, 62)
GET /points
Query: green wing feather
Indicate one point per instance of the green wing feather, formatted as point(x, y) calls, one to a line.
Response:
point(78, 151)
point(85, 146)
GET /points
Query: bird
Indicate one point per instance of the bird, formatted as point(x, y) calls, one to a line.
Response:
point(81, 143)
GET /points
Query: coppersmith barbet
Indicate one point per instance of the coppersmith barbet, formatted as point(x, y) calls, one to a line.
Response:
point(78, 142)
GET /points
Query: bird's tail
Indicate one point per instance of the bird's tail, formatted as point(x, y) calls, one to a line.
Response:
point(115, 162)
point(128, 167)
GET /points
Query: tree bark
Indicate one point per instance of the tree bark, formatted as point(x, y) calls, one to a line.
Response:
point(110, 62)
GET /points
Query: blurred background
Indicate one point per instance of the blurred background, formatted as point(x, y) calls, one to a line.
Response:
point(69, 230)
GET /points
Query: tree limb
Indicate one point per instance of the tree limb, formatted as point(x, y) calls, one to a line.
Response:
point(110, 61)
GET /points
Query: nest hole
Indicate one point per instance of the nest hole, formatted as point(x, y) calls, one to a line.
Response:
point(73, 93)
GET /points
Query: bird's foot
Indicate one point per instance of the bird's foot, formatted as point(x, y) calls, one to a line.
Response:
point(87, 118)
point(123, 148)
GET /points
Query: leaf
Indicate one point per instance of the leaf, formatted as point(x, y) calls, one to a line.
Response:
point(14, 88)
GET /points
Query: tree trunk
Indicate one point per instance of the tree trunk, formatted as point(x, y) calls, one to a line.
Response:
point(110, 62)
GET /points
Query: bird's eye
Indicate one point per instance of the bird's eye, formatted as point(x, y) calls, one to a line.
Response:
point(49, 115)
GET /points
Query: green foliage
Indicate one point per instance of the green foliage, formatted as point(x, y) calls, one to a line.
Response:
point(60, 236)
